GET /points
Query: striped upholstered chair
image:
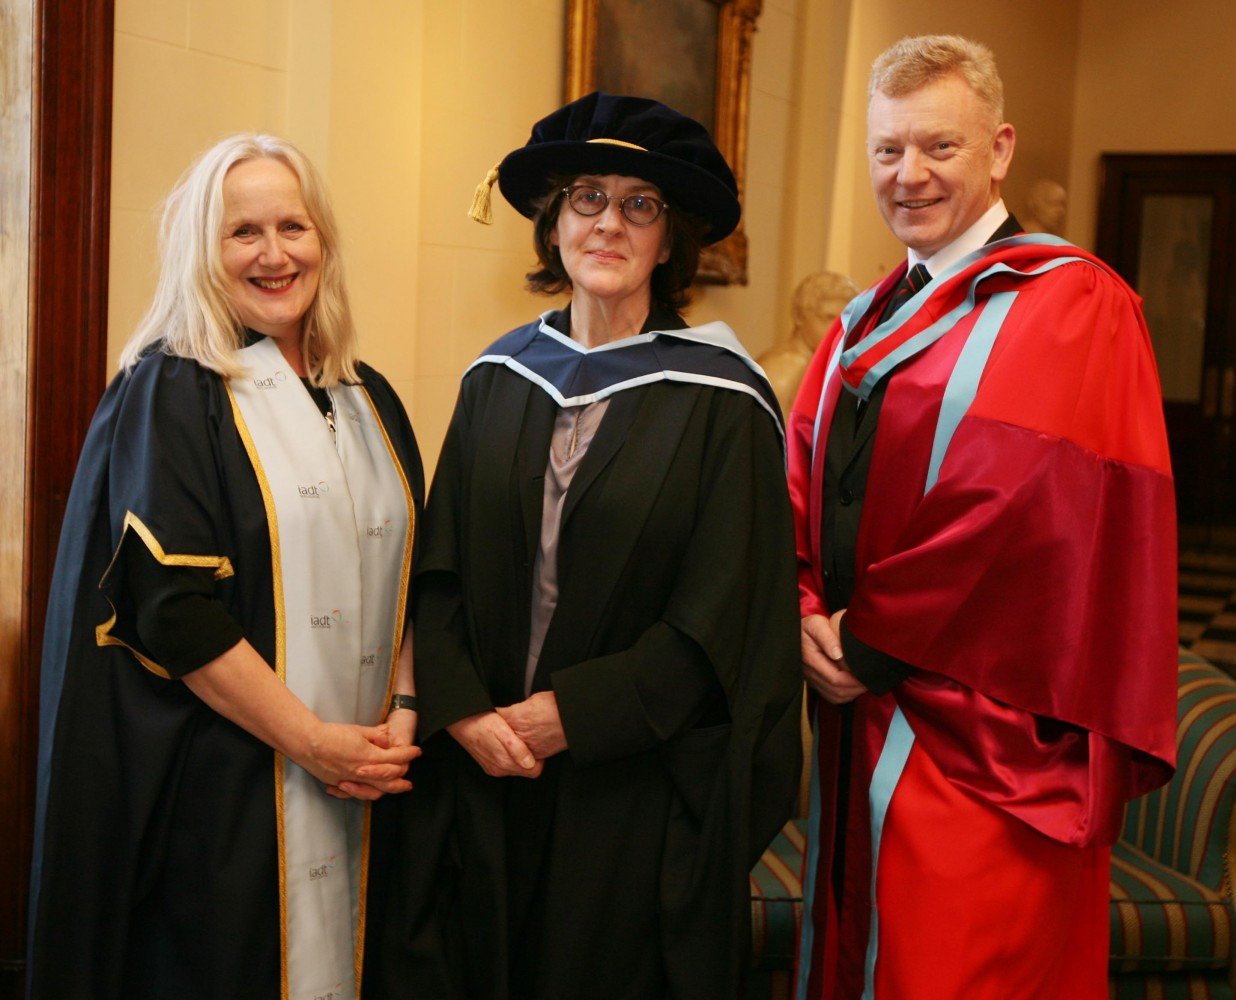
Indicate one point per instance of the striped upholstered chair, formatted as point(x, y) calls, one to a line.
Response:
point(1171, 913)
point(776, 914)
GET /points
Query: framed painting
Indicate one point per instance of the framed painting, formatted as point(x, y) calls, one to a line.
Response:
point(694, 55)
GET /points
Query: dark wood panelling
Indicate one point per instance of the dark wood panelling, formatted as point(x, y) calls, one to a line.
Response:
point(1201, 431)
point(16, 104)
point(71, 165)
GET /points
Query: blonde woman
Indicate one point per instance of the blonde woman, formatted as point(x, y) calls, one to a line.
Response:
point(227, 676)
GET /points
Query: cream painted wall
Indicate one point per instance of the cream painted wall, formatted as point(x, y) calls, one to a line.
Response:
point(482, 94)
point(405, 105)
point(342, 81)
point(1151, 78)
point(373, 138)
point(490, 70)
point(759, 312)
point(184, 77)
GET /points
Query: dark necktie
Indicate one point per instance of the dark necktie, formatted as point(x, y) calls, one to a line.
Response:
point(913, 281)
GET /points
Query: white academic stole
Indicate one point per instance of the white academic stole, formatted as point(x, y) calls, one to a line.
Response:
point(340, 517)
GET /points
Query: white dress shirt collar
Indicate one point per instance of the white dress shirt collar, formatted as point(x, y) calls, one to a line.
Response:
point(969, 241)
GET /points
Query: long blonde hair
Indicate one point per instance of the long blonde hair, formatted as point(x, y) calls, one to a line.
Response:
point(192, 315)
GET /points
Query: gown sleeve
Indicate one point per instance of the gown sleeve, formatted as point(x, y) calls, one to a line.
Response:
point(177, 618)
point(800, 445)
point(1010, 585)
point(729, 622)
point(166, 511)
point(878, 671)
point(448, 686)
point(618, 705)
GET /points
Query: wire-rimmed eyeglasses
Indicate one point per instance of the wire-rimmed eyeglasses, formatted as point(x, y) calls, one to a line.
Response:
point(637, 209)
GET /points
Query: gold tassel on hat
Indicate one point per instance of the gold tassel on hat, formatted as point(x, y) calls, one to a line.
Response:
point(482, 209)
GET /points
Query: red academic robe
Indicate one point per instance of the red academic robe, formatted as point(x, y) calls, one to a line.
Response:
point(1018, 551)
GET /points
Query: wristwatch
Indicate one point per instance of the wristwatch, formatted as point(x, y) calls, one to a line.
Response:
point(402, 701)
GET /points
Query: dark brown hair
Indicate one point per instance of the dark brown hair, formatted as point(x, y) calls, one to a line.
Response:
point(671, 281)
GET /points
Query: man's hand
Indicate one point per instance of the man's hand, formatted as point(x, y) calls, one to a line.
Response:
point(493, 745)
point(824, 666)
point(536, 721)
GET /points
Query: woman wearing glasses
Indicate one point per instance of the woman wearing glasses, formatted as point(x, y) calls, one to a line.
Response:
point(607, 660)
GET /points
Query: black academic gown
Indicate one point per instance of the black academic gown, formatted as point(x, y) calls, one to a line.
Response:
point(155, 867)
point(622, 870)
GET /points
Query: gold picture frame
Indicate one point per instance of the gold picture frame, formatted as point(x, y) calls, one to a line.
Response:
point(653, 48)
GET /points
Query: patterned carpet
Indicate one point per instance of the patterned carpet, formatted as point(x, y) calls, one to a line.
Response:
point(1208, 605)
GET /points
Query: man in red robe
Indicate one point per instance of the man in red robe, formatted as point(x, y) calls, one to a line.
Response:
point(986, 545)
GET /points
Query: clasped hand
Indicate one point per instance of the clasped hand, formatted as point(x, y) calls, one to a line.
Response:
point(824, 666)
point(360, 762)
point(513, 741)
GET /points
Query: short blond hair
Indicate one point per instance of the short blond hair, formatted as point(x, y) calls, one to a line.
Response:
point(914, 62)
point(192, 316)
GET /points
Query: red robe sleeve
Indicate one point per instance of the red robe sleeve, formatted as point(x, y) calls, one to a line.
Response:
point(800, 432)
point(1033, 586)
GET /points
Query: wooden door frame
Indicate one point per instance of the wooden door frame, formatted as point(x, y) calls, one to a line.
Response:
point(70, 105)
point(1119, 231)
point(1126, 179)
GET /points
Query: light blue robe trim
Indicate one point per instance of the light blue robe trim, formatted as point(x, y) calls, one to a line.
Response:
point(829, 372)
point(858, 307)
point(714, 334)
point(892, 762)
point(938, 329)
point(963, 383)
point(958, 395)
point(807, 935)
